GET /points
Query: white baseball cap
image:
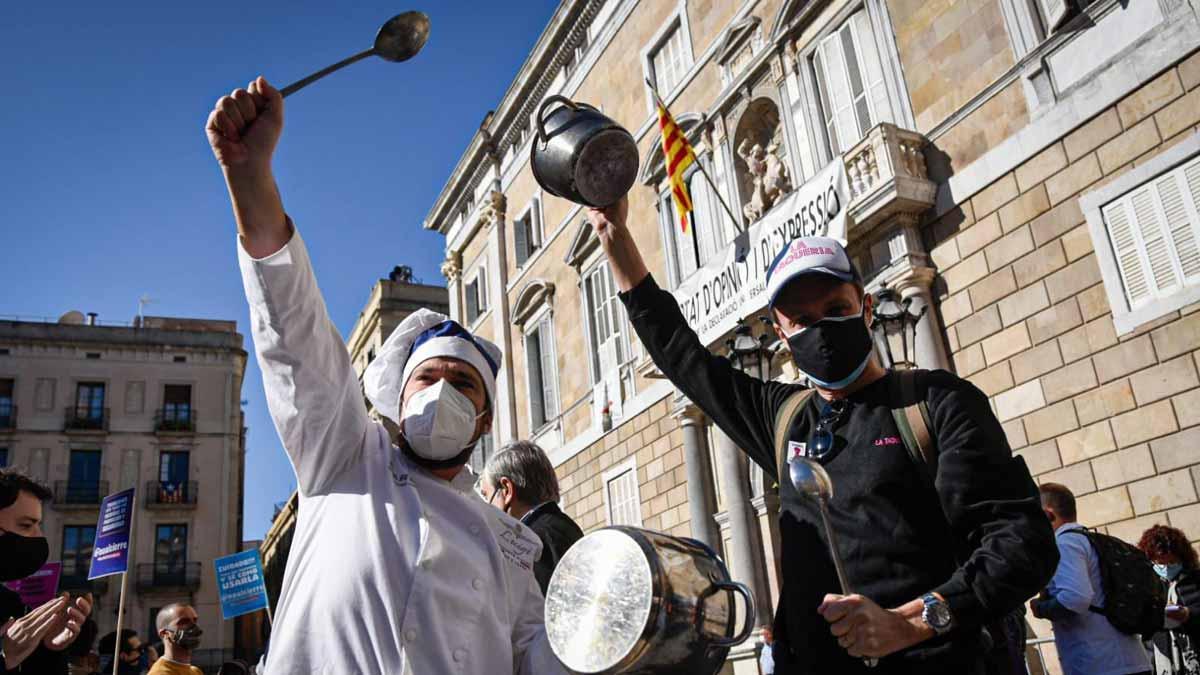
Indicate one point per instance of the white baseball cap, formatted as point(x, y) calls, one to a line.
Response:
point(809, 255)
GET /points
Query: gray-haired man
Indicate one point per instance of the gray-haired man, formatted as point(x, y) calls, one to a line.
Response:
point(520, 481)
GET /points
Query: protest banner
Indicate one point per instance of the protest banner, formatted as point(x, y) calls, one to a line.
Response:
point(733, 284)
point(40, 587)
point(241, 583)
point(110, 554)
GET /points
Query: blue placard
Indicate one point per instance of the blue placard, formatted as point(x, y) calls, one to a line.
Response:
point(240, 580)
point(111, 552)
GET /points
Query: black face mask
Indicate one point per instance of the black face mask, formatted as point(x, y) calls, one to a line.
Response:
point(187, 638)
point(21, 556)
point(832, 352)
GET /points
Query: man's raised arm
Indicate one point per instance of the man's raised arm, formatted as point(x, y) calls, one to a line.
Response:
point(312, 391)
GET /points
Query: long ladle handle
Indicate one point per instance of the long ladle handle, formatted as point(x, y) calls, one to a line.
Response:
point(834, 551)
point(300, 84)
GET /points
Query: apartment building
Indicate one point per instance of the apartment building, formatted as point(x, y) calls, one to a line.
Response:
point(91, 408)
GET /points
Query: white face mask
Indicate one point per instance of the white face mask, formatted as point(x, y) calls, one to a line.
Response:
point(438, 422)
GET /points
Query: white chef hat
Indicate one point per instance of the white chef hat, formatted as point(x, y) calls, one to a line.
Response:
point(423, 335)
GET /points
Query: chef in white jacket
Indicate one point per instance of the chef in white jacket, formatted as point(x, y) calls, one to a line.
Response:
point(397, 565)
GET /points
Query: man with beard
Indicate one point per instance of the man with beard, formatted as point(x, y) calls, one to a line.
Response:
point(397, 565)
point(178, 629)
point(934, 549)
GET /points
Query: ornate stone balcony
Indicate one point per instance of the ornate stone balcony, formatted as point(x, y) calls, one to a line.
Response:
point(887, 176)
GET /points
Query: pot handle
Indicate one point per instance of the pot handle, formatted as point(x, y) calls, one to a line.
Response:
point(541, 122)
point(748, 627)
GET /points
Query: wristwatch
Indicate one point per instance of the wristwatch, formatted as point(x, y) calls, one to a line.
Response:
point(937, 614)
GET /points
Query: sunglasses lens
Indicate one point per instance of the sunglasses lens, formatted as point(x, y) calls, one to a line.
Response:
point(822, 443)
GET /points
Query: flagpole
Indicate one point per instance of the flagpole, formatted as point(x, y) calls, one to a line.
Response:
point(737, 224)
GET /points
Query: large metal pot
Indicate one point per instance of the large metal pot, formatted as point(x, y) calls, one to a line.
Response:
point(581, 155)
point(628, 600)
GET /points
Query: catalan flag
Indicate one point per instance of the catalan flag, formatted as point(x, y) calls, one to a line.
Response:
point(679, 157)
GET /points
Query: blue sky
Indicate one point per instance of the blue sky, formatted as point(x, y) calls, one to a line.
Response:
point(109, 189)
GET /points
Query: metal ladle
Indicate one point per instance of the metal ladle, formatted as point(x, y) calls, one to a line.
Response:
point(399, 39)
point(811, 480)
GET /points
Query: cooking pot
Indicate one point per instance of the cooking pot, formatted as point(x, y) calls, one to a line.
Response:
point(581, 155)
point(633, 601)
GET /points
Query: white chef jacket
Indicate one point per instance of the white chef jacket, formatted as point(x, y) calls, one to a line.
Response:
point(392, 570)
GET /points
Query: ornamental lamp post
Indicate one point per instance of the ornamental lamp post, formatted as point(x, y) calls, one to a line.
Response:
point(893, 318)
point(748, 353)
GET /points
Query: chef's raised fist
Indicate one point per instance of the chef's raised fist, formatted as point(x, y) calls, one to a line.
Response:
point(244, 127)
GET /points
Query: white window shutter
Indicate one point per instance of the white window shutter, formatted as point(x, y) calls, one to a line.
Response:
point(472, 298)
point(839, 103)
point(1182, 208)
point(1054, 11)
point(521, 239)
point(544, 333)
point(1151, 228)
point(1126, 250)
point(702, 216)
point(533, 362)
point(535, 226)
point(611, 377)
point(871, 67)
point(481, 282)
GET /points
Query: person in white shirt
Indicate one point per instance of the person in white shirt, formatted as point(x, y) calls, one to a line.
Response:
point(1087, 643)
point(397, 565)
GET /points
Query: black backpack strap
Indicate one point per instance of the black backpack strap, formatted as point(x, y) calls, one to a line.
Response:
point(913, 421)
point(784, 417)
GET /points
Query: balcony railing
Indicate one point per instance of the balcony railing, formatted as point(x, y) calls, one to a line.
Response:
point(168, 576)
point(79, 494)
point(886, 172)
point(84, 418)
point(8, 417)
point(178, 420)
point(171, 494)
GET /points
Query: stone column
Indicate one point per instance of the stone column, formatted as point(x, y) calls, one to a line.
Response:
point(702, 500)
point(910, 274)
point(745, 550)
point(452, 270)
point(506, 394)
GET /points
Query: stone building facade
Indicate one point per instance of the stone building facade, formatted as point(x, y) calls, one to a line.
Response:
point(1027, 170)
point(92, 409)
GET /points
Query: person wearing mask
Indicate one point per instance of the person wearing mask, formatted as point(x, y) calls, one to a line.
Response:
point(397, 565)
point(520, 481)
point(1087, 643)
point(934, 552)
point(1176, 650)
point(34, 641)
point(131, 658)
point(177, 625)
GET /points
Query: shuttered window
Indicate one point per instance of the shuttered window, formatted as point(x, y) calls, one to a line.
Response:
point(1054, 12)
point(850, 82)
point(624, 503)
point(711, 225)
point(669, 61)
point(539, 360)
point(527, 232)
point(475, 295)
point(1154, 231)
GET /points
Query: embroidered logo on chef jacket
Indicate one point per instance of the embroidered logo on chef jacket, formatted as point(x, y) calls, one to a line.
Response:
point(796, 449)
point(518, 548)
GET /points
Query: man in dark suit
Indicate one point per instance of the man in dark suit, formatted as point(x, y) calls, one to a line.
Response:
point(519, 480)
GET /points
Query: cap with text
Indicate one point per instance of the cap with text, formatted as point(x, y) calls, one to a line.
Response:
point(809, 255)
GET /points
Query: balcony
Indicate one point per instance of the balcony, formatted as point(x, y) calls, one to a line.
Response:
point(163, 494)
point(887, 175)
point(85, 419)
point(8, 417)
point(175, 421)
point(168, 577)
point(79, 494)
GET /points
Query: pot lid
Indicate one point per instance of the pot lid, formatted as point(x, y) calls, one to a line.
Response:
point(598, 601)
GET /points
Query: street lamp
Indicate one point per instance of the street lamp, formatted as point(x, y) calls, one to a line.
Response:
point(893, 318)
point(748, 353)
